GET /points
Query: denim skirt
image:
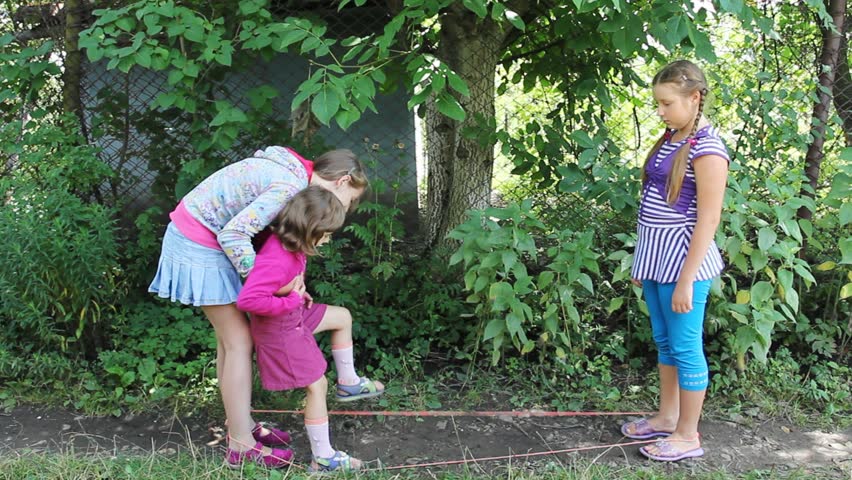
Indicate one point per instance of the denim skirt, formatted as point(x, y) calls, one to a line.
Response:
point(193, 274)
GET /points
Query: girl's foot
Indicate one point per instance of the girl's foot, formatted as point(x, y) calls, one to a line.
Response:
point(673, 449)
point(646, 428)
point(269, 435)
point(365, 388)
point(267, 457)
point(339, 462)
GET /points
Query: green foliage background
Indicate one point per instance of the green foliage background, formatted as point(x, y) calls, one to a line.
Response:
point(538, 287)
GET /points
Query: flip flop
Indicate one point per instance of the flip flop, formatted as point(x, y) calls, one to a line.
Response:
point(642, 430)
point(668, 453)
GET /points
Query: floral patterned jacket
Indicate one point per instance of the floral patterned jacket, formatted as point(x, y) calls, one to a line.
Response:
point(241, 199)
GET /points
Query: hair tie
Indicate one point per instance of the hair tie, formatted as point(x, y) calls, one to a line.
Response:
point(692, 141)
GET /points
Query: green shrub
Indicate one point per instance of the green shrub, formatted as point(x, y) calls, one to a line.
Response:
point(520, 306)
point(158, 349)
point(60, 269)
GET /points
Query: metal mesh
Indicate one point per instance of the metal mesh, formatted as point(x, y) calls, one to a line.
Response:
point(148, 147)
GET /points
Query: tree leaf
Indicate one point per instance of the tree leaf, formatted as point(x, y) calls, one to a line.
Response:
point(325, 104)
point(515, 20)
point(450, 107)
point(477, 7)
point(846, 291)
point(614, 304)
point(760, 293)
point(766, 238)
point(845, 213)
point(494, 328)
point(345, 117)
point(128, 24)
point(586, 282)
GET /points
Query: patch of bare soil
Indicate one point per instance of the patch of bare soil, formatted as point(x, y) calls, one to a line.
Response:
point(772, 445)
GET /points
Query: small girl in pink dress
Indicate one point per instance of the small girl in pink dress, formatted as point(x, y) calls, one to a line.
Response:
point(284, 319)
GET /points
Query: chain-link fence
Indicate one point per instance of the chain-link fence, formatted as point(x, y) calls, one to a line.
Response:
point(147, 147)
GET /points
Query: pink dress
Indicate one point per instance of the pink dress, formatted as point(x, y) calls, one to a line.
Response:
point(282, 328)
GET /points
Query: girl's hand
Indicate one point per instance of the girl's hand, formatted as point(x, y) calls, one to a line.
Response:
point(638, 283)
point(682, 297)
point(309, 300)
point(286, 289)
point(300, 290)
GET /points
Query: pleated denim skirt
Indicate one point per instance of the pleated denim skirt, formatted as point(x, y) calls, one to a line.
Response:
point(193, 274)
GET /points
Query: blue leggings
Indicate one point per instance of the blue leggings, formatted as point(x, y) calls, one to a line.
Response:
point(679, 335)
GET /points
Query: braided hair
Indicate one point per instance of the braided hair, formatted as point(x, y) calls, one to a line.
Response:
point(688, 78)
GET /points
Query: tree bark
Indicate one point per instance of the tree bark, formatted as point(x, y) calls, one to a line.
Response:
point(73, 65)
point(831, 41)
point(843, 83)
point(459, 169)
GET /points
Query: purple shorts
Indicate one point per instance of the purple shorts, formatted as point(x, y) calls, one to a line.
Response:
point(288, 356)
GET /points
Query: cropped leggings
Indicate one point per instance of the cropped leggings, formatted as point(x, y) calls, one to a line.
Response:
point(679, 336)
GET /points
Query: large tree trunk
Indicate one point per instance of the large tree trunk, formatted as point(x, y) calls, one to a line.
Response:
point(73, 65)
point(827, 68)
point(459, 169)
point(843, 83)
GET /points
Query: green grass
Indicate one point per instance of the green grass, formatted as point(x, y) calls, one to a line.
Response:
point(194, 466)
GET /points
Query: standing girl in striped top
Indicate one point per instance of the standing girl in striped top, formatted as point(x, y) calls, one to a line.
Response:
point(676, 258)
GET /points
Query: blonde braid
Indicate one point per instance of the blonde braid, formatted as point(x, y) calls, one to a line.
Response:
point(678, 172)
point(651, 155)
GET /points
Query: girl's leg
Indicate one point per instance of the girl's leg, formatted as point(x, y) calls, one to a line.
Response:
point(666, 418)
point(220, 359)
point(686, 331)
point(316, 423)
point(316, 418)
point(339, 321)
point(233, 363)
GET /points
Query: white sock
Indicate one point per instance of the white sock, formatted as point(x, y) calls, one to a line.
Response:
point(318, 436)
point(345, 364)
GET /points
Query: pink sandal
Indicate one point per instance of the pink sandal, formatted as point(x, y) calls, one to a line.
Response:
point(274, 437)
point(279, 458)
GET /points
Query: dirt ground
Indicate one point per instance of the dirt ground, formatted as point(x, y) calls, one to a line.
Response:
point(731, 447)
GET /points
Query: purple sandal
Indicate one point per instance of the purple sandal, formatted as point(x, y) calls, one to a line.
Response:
point(277, 459)
point(365, 388)
point(339, 462)
point(642, 430)
point(274, 437)
point(668, 453)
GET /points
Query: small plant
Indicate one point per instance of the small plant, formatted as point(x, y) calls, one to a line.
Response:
point(512, 303)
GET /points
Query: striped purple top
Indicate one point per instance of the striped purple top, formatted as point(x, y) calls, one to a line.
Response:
point(666, 230)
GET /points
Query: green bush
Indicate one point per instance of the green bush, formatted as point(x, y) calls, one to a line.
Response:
point(401, 301)
point(520, 306)
point(158, 350)
point(60, 268)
